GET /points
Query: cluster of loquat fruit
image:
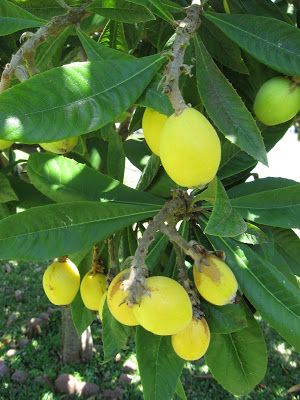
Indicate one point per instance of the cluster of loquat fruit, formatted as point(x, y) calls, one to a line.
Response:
point(165, 308)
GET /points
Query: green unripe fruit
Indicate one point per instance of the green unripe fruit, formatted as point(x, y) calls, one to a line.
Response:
point(5, 144)
point(61, 146)
point(277, 101)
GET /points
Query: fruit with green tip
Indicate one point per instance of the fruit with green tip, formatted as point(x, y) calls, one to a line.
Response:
point(92, 288)
point(277, 101)
point(215, 281)
point(61, 281)
point(166, 308)
point(192, 342)
point(190, 149)
point(61, 146)
point(152, 125)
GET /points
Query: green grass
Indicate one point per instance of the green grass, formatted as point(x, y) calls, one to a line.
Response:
point(42, 355)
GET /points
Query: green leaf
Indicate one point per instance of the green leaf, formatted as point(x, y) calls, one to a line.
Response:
point(224, 220)
point(80, 99)
point(162, 185)
point(14, 19)
point(51, 231)
point(161, 8)
point(159, 366)
point(149, 172)
point(114, 334)
point(96, 51)
point(155, 252)
point(115, 153)
point(180, 392)
point(238, 360)
point(27, 194)
point(225, 107)
point(63, 179)
point(226, 319)
point(275, 297)
point(269, 201)
point(277, 46)
point(122, 11)
point(6, 192)
point(154, 98)
point(253, 235)
point(113, 36)
point(81, 316)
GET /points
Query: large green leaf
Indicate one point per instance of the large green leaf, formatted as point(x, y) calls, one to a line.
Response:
point(59, 229)
point(121, 10)
point(159, 365)
point(273, 42)
point(238, 360)
point(154, 98)
point(63, 179)
point(224, 220)
point(114, 334)
point(225, 107)
point(275, 297)
point(269, 201)
point(80, 99)
point(14, 18)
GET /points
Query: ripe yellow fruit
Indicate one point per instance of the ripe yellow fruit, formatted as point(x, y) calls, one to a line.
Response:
point(166, 310)
point(61, 282)
point(216, 282)
point(192, 342)
point(116, 300)
point(101, 305)
point(152, 125)
point(190, 149)
point(92, 288)
point(277, 101)
point(61, 146)
point(5, 144)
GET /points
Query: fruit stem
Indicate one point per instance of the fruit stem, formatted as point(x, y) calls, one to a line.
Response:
point(175, 67)
point(62, 259)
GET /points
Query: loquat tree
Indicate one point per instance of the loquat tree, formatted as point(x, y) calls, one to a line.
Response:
point(194, 94)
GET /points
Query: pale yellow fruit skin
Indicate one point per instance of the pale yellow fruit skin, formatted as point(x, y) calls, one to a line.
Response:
point(61, 282)
point(5, 144)
point(116, 301)
point(101, 305)
point(61, 146)
point(166, 310)
point(216, 283)
point(152, 125)
point(192, 342)
point(190, 149)
point(92, 289)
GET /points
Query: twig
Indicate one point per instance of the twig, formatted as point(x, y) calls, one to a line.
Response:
point(113, 263)
point(27, 50)
point(184, 31)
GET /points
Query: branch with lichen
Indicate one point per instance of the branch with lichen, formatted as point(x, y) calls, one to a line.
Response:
point(26, 52)
point(175, 67)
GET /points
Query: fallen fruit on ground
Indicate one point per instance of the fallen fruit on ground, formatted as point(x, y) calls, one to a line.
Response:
point(166, 309)
point(92, 289)
point(61, 146)
point(192, 342)
point(216, 282)
point(152, 125)
point(277, 101)
point(61, 282)
point(101, 305)
point(116, 300)
point(190, 149)
point(5, 144)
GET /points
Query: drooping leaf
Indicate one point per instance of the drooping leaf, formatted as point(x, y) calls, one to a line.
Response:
point(63, 179)
point(149, 172)
point(226, 319)
point(161, 8)
point(269, 201)
point(275, 297)
point(224, 220)
point(121, 10)
point(14, 18)
point(114, 334)
point(27, 194)
point(180, 392)
point(238, 360)
point(225, 107)
point(113, 36)
point(58, 229)
point(154, 98)
point(115, 153)
point(6, 191)
point(253, 235)
point(79, 101)
point(277, 46)
point(159, 366)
